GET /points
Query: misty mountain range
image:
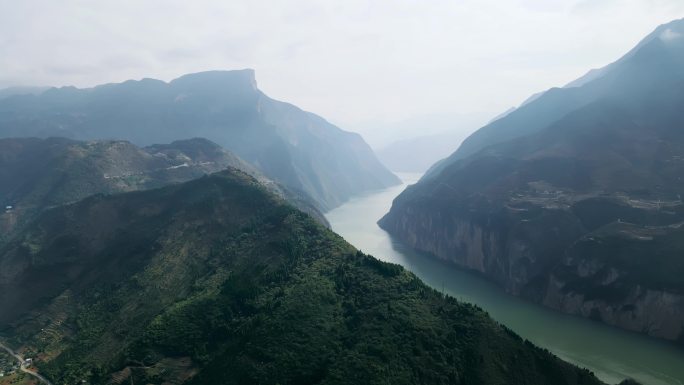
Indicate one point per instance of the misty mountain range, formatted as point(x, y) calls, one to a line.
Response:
point(296, 148)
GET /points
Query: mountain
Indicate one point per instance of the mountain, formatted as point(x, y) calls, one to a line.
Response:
point(666, 33)
point(418, 154)
point(219, 281)
point(380, 134)
point(412, 145)
point(649, 66)
point(36, 174)
point(11, 91)
point(296, 148)
point(511, 109)
point(574, 199)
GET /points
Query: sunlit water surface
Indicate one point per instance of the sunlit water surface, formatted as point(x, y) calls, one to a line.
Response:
point(611, 353)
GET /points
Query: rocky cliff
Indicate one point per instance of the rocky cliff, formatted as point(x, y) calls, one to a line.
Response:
point(540, 262)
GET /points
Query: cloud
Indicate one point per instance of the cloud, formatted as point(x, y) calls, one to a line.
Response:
point(351, 61)
point(669, 35)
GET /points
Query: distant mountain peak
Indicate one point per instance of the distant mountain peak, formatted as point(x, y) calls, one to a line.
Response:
point(677, 23)
point(234, 78)
point(668, 32)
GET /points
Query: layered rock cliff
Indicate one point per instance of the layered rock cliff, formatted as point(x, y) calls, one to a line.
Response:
point(537, 258)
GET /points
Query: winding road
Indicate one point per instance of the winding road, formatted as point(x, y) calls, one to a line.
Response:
point(22, 365)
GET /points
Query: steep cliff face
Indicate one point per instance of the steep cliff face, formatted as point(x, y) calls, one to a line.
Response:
point(581, 211)
point(538, 258)
point(653, 312)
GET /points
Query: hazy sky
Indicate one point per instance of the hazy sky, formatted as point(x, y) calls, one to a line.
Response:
point(350, 61)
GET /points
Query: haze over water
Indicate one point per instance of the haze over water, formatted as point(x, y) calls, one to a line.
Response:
point(611, 353)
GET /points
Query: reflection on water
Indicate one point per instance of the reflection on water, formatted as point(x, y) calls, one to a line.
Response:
point(609, 352)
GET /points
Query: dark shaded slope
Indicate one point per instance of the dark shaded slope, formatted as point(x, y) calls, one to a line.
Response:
point(294, 147)
point(582, 214)
point(217, 281)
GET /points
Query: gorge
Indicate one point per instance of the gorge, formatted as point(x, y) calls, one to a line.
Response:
point(611, 353)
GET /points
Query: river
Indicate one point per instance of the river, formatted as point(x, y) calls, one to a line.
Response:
point(612, 354)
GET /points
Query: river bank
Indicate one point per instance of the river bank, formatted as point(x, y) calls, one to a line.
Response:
point(611, 353)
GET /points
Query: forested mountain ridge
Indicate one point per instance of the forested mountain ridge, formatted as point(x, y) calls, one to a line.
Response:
point(218, 281)
point(36, 174)
point(296, 148)
point(573, 200)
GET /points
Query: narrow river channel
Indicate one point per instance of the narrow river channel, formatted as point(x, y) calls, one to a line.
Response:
point(611, 353)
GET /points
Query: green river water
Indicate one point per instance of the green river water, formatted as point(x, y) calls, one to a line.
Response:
point(609, 352)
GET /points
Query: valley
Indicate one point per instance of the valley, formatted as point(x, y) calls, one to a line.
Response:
point(412, 193)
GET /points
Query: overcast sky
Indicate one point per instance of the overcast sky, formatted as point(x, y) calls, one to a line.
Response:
point(350, 61)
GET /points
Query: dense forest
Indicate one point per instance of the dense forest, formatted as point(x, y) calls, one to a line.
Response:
point(187, 283)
